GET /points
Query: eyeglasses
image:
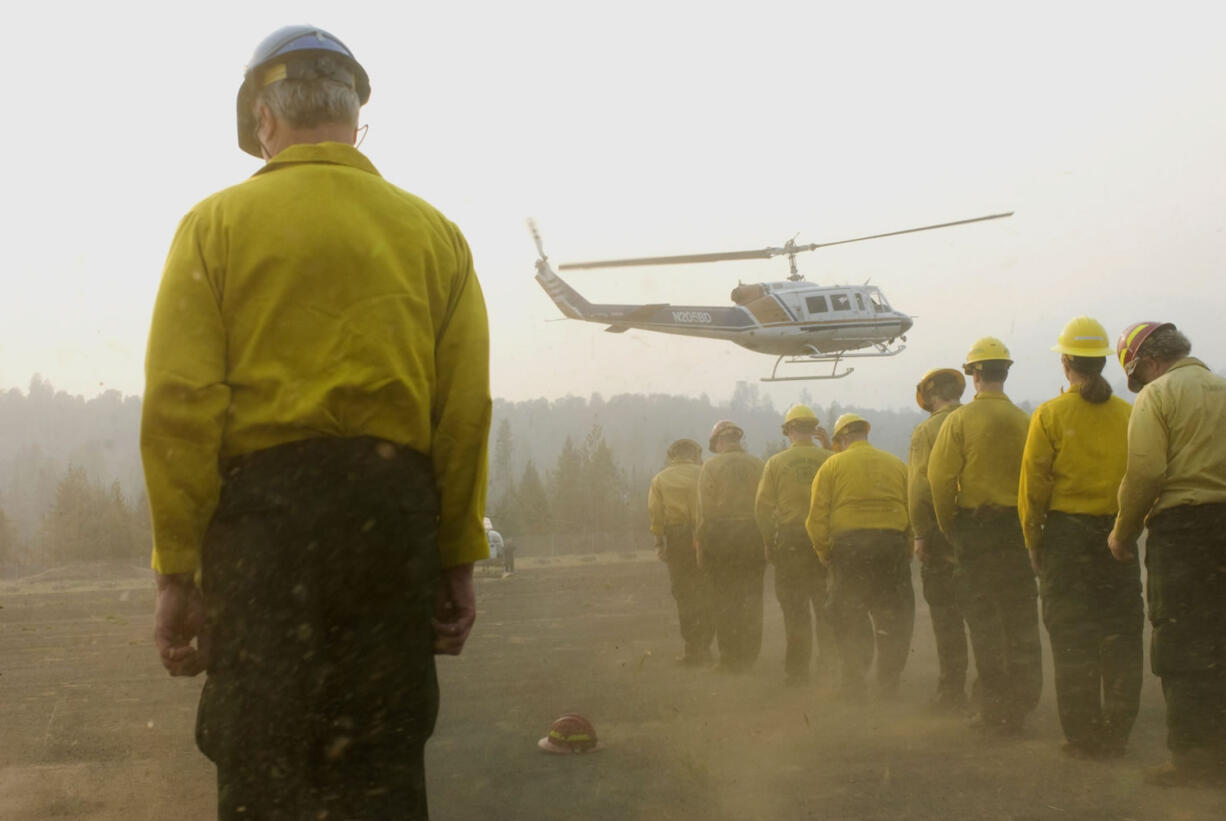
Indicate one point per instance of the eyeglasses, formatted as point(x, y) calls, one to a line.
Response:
point(1132, 366)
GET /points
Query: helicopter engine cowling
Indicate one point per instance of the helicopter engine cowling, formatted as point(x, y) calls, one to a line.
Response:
point(743, 294)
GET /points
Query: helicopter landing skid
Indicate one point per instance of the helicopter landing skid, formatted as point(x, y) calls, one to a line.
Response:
point(833, 359)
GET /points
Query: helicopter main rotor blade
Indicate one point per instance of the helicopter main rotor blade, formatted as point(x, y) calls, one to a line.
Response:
point(907, 231)
point(764, 253)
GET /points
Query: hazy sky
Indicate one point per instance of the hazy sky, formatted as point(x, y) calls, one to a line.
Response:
point(657, 128)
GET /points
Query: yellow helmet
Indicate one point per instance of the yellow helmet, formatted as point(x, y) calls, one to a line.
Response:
point(848, 419)
point(988, 349)
point(721, 427)
point(930, 376)
point(1084, 337)
point(800, 413)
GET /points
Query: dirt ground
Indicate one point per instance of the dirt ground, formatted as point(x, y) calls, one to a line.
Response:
point(91, 728)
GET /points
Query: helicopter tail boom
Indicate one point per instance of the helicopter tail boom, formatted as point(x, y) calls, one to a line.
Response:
point(569, 301)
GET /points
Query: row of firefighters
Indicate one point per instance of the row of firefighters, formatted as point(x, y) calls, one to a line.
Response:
point(990, 499)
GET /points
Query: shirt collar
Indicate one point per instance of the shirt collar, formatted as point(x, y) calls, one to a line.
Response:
point(328, 153)
point(946, 409)
point(1188, 362)
point(991, 395)
point(859, 443)
point(802, 445)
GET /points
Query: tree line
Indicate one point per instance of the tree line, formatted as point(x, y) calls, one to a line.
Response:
point(566, 475)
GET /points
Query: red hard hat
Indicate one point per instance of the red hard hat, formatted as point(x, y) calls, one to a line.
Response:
point(1132, 338)
point(570, 733)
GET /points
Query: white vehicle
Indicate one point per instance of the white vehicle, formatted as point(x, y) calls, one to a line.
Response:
point(494, 538)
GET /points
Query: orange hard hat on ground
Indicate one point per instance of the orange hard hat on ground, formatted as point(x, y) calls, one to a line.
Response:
point(570, 733)
point(1132, 338)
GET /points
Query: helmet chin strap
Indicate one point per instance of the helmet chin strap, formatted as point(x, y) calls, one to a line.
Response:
point(362, 132)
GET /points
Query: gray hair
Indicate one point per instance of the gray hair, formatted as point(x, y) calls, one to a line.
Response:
point(1166, 345)
point(312, 101)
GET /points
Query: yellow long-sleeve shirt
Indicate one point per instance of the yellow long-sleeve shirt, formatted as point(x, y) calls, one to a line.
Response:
point(861, 488)
point(727, 487)
point(673, 496)
point(315, 299)
point(1176, 446)
point(1073, 461)
point(977, 457)
point(919, 493)
point(786, 487)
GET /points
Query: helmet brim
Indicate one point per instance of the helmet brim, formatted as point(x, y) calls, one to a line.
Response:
point(547, 744)
point(1105, 350)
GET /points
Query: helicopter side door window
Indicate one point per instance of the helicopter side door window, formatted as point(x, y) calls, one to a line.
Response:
point(816, 304)
point(859, 303)
point(840, 302)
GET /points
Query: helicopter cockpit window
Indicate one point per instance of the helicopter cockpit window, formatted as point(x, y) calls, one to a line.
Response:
point(840, 302)
point(816, 304)
point(859, 302)
point(878, 301)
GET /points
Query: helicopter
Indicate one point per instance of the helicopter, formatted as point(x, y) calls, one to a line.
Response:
point(797, 321)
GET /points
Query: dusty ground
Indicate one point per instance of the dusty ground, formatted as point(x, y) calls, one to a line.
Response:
point(91, 728)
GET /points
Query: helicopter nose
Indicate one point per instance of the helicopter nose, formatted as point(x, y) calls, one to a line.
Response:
point(906, 323)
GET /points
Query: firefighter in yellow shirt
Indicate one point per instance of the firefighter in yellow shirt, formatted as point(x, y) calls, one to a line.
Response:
point(730, 547)
point(859, 527)
point(781, 507)
point(938, 393)
point(1071, 469)
point(1175, 484)
point(314, 436)
point(973, 473)
point(671, 506)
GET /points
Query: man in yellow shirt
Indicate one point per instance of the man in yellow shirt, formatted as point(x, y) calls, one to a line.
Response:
point(973, 473)
point(938, 393)
point(671, 506)
point(859, 527)
point(314, 440)
point(1175, 484)
point(781, 507)
point(730, 546)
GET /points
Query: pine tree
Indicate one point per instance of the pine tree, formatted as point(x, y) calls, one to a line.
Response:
point(532, 513)
point(69, 525)
point(571, 501)
point(502, 479)
point(113, 539)
point(605, 485)
point(8, 541)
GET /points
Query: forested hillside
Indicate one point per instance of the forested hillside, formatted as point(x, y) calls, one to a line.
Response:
point(567, 475)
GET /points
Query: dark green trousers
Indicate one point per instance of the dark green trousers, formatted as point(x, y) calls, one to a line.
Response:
point(320, 571)
point(733, 560)
point(691, 589)
point(1093, 612)
point(948, 626)
point(997, 595)
point(872, 605)
point(800, 587)
point(1185, 559)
